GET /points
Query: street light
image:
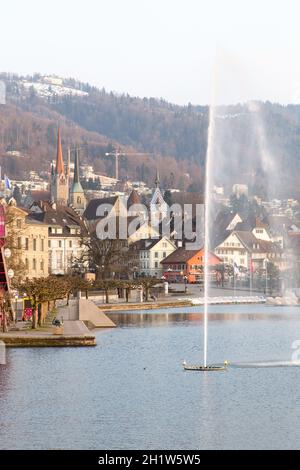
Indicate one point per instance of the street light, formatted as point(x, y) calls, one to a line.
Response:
point(7, 253)
point(185, 283)
point(266, 261)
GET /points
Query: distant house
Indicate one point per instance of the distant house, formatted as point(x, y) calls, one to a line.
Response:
point(101, 210)
point(189, 263)
point(150, 254)
point(248, 251)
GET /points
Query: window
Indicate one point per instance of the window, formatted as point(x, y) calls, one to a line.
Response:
point(156, 254)
point(49, 243)
point(59, 260)
point(164, 254)
point(70, 244)
point(42, 265)
point(26, 244)
point(59, 243)
point(19, 223)
point(34, 244)
point(26, 264)
point(156, 264)
point(19, 243)
point(42, 244)
point(34, 264)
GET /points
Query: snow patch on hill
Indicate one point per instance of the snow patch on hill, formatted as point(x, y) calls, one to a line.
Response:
point(47, 90)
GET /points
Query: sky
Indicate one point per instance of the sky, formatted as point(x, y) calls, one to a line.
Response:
point(180, 50)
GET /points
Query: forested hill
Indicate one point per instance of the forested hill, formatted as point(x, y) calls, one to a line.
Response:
point(176, 135)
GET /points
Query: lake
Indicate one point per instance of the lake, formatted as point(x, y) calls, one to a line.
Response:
point(130, 392)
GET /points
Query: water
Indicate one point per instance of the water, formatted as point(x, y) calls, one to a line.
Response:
point(130, 392)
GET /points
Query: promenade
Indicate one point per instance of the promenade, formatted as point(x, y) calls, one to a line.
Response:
point(75, 333)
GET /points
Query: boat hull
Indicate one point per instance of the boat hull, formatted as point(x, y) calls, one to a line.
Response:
point(205, 369)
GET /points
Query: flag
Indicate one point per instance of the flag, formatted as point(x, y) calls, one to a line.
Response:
point(7, 182)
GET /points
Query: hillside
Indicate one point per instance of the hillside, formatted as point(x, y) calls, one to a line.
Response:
point(173, 137)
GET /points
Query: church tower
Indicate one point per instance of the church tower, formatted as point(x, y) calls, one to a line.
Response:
point(158, 206)
point(59, 178)
point(77, 197)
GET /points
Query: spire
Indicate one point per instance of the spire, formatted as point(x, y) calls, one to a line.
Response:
point(157, 180)
point(60, 170)
point(76, 166)
point(69, 163)
point(76, 186)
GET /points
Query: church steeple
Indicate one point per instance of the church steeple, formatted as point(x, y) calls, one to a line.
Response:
point(77, 194)
point(59, 180)
point(76, 166)
point(60, 168)
point(157, 179)
point(158, 206)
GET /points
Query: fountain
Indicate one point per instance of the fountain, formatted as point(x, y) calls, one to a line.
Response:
point(241, 151)
point(207, 232)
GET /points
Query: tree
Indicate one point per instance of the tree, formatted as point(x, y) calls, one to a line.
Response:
point(147, 283)
point(105, 257)
point(107, 286)
point(40, 290)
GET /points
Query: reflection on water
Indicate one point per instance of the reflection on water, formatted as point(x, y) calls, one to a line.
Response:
point(128, 319)
point(225, 309)
point(130, 392)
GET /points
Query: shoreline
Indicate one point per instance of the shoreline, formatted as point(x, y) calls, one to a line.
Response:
point(12, 340)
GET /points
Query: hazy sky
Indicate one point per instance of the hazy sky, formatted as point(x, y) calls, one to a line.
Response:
point(161, 48)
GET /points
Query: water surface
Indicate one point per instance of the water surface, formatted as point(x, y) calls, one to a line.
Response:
point(130, 391)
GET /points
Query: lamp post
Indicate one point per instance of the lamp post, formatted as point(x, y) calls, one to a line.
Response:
point(266, 261)
point(185, 283)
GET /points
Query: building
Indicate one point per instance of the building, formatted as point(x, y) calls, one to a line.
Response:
point(28, 240)
point(240, 189)
point(245, 250)
point(59, 187)
point(158, 206)
point(136, 225)
point(187, 263)
point(77, 197)
point(150, 255)
point(66, 229)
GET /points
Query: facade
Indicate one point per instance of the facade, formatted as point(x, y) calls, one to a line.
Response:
point(187, 263)
point(150, 255)
point(247, 251)
point(28, 239)
point(65, 231)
